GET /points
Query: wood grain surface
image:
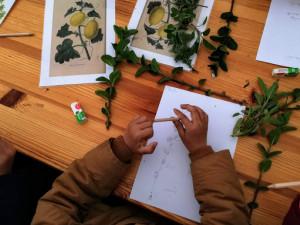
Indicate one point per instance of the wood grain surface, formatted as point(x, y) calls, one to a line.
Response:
point(42, 126)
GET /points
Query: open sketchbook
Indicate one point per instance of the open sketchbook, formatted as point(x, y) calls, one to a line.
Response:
point(280, 41)
point(164, 178)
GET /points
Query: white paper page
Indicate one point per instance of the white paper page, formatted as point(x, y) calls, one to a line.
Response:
point(280, 41)
point(164, 178)
point(5, 7)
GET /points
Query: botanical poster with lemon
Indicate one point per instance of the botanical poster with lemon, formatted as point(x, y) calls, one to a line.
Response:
point(78, 39)
point(151, 18)
point(5, 7)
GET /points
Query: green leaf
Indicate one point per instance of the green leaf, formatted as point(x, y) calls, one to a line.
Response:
point(152, 5)
point(223, 65)
point(66, 52)
point(204, 21)
point(114, 77)
point(272, 91)
point(296, 94)
point(177, 70)
point(109, 60)
point(103, 80)
point(201, 82)
point(102, 94)
point(119, 31)
point(252, 205)
point(274, 136)
point(250, 184)
point(70, 11)
point(132, 58)
point(149, 30)
point(263, 86)
point(143, 61)
point(206, 32)
point(274, 153)
point(64, 31)
point(111, 91)
point(265, 165)
point(105, 111)
point(224, 31)
point(164, 80)
point(229, 17)
point(98, 38)
point(141, 71)
point(155, 66)
point(263, 150)
point(208, 45)
point(287, 129)
point(231, 43)
point(93, 13)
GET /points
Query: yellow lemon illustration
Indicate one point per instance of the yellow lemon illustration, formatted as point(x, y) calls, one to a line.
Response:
point(77, 19)
point(91, 29)
point(161, 32)
point(156, 15)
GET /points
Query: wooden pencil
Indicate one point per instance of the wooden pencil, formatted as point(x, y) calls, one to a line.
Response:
point(284, 185)
point(171, 119)
point(16, 35)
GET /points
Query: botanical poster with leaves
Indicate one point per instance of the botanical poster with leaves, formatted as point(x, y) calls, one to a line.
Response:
point(154, 20)
point(78, 37)
point(5, 6)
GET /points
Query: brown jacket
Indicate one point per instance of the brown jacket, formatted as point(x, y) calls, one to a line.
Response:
point(78, 195)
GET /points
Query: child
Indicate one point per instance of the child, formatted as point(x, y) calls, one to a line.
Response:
point(79, 196)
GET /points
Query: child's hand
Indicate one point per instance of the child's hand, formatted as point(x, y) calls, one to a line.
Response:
point(192, 132)
point(7, 154)
point(138, 132)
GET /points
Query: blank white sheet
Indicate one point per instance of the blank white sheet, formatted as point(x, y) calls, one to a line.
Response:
point(280, 41)
point(164, 178)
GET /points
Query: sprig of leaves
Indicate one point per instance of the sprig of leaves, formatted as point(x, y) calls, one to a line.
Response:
point(184, 36)
point(123, 53)
point(269, 117)
point(225, 41)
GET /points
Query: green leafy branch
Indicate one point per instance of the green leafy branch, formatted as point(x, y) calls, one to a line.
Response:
point(125, 54)
point(219, 53)
point(269, 117)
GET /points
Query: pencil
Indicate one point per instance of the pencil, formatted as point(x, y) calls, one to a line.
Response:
point(16, 35)
point(284, 185)
point(171, 119)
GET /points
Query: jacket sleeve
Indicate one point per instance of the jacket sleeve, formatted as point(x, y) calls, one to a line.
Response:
point(86, 181)
point(217, 188)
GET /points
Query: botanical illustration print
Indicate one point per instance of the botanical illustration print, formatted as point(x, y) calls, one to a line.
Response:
point(2, 11)
point(78, 37)
point(153, 22)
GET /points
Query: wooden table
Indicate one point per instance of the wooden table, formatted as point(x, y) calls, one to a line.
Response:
point(42, 126)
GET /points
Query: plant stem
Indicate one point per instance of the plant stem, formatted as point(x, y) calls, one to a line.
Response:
point(194, 87)
point(255, 195)
point(83, 43)
point(169, 10)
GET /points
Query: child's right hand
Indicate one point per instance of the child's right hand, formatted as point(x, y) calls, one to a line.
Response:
point(192, 132)
point(138, 132)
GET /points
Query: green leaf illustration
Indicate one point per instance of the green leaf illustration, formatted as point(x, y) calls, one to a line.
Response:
point(66, 52)
point(64, 31)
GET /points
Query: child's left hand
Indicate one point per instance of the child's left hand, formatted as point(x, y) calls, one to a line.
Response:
point(7, 155)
